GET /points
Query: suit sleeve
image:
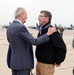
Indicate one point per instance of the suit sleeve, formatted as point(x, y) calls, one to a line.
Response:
point(60, 47)
point(25, 35)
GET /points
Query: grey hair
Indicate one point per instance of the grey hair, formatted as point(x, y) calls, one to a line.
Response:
point(18, 11)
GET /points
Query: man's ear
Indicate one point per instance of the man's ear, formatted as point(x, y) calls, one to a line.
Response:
point(20, 14)
point(47, 18)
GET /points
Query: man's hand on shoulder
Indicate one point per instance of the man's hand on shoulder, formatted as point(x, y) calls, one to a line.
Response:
point(51, 30)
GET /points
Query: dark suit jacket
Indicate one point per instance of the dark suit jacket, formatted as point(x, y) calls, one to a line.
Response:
point(9, 55)
point(19, 38)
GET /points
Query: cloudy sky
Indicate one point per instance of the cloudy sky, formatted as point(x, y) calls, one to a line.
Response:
point(62, 10)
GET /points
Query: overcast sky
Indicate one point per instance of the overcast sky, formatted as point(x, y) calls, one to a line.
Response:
point(62, 10)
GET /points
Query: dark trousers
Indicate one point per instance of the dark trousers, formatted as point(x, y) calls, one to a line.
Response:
point(21, 72)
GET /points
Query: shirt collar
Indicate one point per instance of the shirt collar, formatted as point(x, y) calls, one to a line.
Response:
point(18, 20)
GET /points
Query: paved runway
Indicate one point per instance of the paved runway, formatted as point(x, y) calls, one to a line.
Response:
point(66, 66)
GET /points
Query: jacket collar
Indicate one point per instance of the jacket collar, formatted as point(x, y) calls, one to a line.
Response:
point(17, 21)
point(46, 25)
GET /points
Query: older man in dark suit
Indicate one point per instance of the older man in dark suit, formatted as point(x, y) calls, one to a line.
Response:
point(19, 39)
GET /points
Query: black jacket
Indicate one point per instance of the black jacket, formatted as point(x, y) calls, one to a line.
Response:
point(53, 51)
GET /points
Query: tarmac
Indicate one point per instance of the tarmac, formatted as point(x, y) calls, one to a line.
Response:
point(65, 68)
